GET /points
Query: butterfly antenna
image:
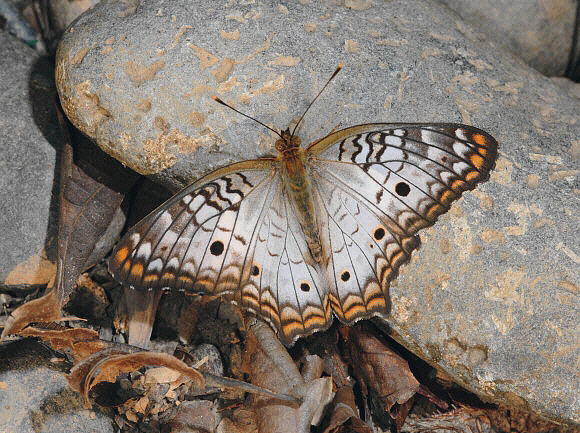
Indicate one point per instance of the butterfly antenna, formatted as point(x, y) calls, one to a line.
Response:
point(338, 68)
point(215, 98)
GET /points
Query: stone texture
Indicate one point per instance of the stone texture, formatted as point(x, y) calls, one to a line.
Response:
point(29, 139)
point(493, 296)
point(30, 162)
point(34, 395)
point(540, 32)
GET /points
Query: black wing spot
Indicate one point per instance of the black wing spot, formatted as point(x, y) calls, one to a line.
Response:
point(444, 159)
point(345, 276)
point(305, 287)
point(217, 248)
point(255, 270)
point(403, 189)
point(379, 233)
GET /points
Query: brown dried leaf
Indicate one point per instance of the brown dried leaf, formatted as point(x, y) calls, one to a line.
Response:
point(93, 186)
point(194, 415)
point(161, 375)
point(83, 342)
point(401, 412)
point(187, 321)
point(106, 366)
point(381, 369)
point(270, 366)
point(241, 420)
point(61, 338)
point(79, 372)
point(84, 349)
point(44, 309)
point(344, 416)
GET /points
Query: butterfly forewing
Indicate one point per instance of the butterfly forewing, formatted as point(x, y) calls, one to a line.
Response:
point(410, 173)
point(199, 238)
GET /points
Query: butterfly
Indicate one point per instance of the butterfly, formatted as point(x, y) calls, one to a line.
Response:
point(313, 232)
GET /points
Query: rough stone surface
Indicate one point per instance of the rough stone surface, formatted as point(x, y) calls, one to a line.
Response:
point(493, 295)
point(539, 32)
point(35, 398)
point(29, 138)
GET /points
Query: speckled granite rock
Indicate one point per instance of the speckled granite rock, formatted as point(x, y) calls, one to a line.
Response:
point(493, 295)
point(29, 139)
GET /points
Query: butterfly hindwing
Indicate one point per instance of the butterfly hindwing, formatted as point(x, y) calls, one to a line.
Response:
point(284, 286)
point(360, 254)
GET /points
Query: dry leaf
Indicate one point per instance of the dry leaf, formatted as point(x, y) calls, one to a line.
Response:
point(106, 366)
point(270, 366)
point(161, 375)
point(44, 309)
point(344, 416)
point(194, 416)
point(381, 369)
point(65, 338)
point(92, 187)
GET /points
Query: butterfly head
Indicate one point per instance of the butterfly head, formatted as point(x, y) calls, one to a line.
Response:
point(287, 141)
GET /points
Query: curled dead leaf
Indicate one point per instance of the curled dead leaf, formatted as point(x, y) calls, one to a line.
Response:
point(106, 366)
point(380, 368)
point(43, 309)
point(345, 414)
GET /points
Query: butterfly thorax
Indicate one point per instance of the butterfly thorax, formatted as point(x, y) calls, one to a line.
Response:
point(297, 183)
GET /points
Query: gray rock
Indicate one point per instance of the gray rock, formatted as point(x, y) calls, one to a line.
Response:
point(35, 397)
point(29, 139)
point(538, 32)
point(214, 363)
point(492, 297)
point(30, 143)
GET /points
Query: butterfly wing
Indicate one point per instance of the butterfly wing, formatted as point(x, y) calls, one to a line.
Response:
point(379, 184)
point(236, 233)
point(283, 283)
point(200, 239)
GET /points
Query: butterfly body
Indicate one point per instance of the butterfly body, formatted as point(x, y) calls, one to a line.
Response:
point(313, 232)
point(296, 180)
